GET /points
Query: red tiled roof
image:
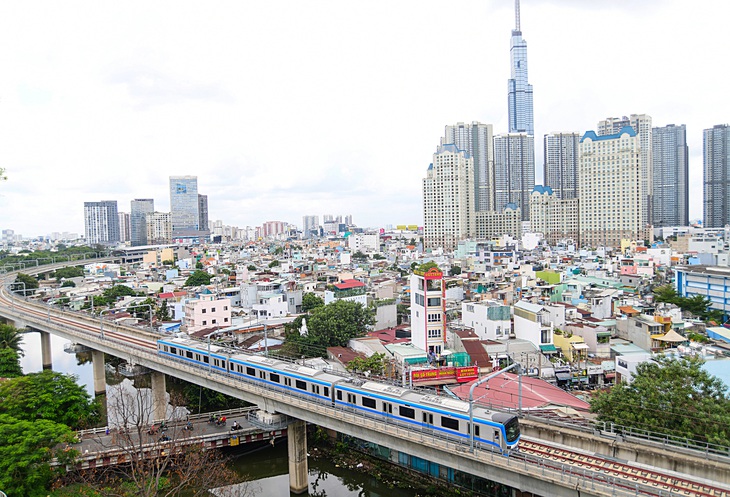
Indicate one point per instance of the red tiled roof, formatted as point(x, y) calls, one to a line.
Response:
point(347, 284)
point(172, 295)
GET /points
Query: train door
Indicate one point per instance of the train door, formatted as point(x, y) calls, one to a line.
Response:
point(427, 418)
point(387, 408)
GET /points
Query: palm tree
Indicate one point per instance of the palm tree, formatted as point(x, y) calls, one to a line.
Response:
point(11, 338)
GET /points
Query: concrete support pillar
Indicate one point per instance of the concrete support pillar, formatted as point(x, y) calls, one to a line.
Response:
point(97, 359)
point(159, 396)
point(298, 467)
point(46, 350)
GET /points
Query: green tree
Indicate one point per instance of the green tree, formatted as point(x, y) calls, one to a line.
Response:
point(168, 262)
point(11, 338)
point(118, 291)
point(375, 364)
point(331, 325)
point(163, 312)
point(198, 265)
point(198, 278)
point(672, 396)
point(68, 272)
point(359, 256)
point(51, 396)
point(666, 293)
point(10, 364)
point(455, 270)
point(378, 257)
point(26, 447)
point(251, 267)
point(68, 283)
point(696, 304)
point(311, 301)
point(274, 263)
point(140, 309)
point(29, 281)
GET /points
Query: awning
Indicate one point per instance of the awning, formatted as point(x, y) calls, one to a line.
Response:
point(548, 348)
point(580, 346)
point(563, 376)
point(610, 375)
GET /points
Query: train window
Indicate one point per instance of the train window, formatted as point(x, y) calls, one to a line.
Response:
point(327, 391)
point(387, 408)
point(251, 371)
point(452, 424)
point(287, 382)
point(428, 418)
point(476, 429)
point(407, 412)
point(262, 374)
point(188, 354)
point(173, 350)
point(368, 402)
point(339, 395)
point(301, 385)
point(274, 377)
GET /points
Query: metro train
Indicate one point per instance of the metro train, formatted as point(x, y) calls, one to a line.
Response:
point(446, 416)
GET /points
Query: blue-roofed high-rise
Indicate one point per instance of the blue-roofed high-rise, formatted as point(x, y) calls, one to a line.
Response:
point(519, 104)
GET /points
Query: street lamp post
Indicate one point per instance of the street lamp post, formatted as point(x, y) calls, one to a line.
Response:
point(12, 293)
point(471, 397)
point(143, 305)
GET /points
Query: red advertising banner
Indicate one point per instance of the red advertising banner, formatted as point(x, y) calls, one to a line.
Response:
point(459, 374)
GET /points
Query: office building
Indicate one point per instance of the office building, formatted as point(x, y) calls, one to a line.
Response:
point(448, 198)
point(670, 195)
point(716, 158)
point(521, 119)
point(310, 226)
point(561, 163)
point(609, 174)
point(140, 207)
point(476, 139)
point(101, 222)
point(514, 171)
point(124, 228)
point(641, 123)
point(185, 208)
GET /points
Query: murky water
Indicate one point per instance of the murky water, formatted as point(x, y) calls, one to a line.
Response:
point(268, 471)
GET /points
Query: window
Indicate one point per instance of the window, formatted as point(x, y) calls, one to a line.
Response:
point(368, 402)
point(204, 311)
point(213, 309)
point(205, 322)
point(407, 412)
point(251, 371)
point(451, 424)
point(188, 354)
point(225, 307)
point(326, 391)
point(434, 301)
point(301, 385)
point(213, 321)
point(339, 395)
point(274, 377)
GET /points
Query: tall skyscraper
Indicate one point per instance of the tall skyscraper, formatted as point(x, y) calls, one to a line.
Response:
point(124, 228)
point(310, 225)
point(610, 205)
point(101, 222)
point(159, 228)
point(185, 207)
point(514, 171)
point(476, 139)
point(561, 164)
point(670, 195)
point(519, 99)
point(139, 209)
point(448, 198)
point(642, 125)
point(203, 212)
point(716, 158)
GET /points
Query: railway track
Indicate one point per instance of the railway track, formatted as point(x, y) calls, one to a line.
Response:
point(639, 479)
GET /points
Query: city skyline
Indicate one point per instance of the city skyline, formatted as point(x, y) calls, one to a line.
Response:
point(153, 97)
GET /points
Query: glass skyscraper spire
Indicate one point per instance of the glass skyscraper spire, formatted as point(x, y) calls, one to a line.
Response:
point(520, 91)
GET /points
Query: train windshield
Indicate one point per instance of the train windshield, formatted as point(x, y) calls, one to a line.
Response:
point(512, 429)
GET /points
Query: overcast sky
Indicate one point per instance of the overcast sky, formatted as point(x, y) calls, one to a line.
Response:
point(287, 108)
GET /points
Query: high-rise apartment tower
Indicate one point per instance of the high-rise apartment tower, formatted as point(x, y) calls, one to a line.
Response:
point(477, 140)
point(101, 222)
point(561, 164)
point(670, 195)
point(716, 158)
point(514, 171)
